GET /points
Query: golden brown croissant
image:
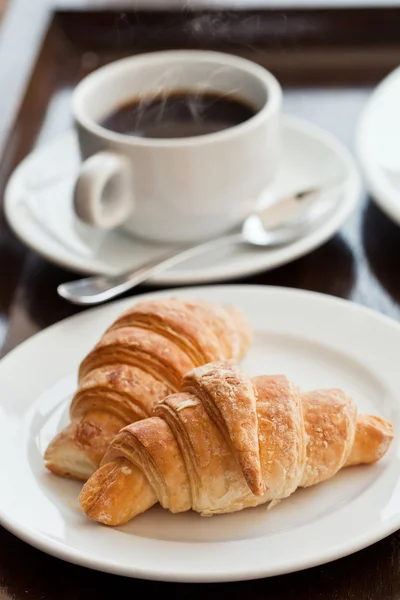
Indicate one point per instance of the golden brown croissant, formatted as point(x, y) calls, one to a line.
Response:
point(139, 360)
point(227, 442)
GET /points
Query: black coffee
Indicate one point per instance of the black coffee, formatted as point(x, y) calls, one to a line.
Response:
point(178, 115)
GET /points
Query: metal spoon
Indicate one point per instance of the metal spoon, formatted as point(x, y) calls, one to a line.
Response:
point(255, 231)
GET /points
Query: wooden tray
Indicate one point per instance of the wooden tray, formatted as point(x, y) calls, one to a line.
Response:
point(328, 60)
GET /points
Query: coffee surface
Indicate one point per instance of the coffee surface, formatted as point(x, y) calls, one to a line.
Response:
point(179, 114)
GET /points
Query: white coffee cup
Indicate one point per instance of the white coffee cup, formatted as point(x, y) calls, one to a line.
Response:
point(176, 189)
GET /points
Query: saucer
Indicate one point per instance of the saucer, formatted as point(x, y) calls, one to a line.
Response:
point(38, 207)
point(378, 145)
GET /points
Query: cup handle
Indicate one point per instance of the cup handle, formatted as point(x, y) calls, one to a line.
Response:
point(103, 194)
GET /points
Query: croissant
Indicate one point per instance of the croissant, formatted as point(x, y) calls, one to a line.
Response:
point(226, 442)
point(139, 360)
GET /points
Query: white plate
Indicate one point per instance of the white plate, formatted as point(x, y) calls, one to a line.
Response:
point(317, 340)
point(38, 206)
point(378, 145)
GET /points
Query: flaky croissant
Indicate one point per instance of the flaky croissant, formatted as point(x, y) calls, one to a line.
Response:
point(139, 360)
point(227, 442)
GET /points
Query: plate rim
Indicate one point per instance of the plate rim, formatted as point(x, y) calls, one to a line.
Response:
point(312, 241)
point(77, 558)
point(52, 547)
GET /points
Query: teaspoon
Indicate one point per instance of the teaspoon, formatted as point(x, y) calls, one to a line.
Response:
point(255, 231)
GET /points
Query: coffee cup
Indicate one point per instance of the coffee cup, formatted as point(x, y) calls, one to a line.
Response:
point(170, 188)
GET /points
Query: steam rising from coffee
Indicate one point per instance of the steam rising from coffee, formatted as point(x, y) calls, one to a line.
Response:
point(243, 30)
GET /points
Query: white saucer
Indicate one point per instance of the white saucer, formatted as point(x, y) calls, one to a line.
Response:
point(378, 144)
point(317, 341)
point(38, 206)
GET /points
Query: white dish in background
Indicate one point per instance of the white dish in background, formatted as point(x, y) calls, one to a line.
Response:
point(38, 207)
point(316, 340)
point(378, 145)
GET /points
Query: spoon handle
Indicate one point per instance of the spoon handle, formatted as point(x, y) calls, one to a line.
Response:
point(99, 288)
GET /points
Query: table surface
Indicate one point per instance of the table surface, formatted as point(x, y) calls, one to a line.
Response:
point(360, 263)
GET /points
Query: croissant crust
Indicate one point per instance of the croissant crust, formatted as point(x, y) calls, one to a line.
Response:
point(139, 360)
point(226, 442)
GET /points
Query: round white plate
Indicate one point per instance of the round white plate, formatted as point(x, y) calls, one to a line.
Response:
point(38, 207)
point(378, 145)
point(316, 340)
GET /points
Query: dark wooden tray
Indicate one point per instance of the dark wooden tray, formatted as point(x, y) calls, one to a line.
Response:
point(327, 60)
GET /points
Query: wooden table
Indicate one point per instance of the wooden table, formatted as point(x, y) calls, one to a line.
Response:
point(328, 62)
